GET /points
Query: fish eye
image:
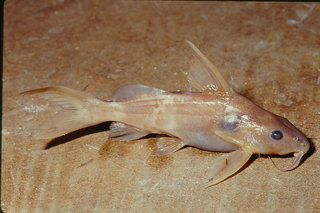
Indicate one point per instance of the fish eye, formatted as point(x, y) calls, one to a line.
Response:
point(276, 135)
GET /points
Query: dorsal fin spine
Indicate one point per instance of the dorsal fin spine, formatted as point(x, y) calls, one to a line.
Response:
point(220, 82)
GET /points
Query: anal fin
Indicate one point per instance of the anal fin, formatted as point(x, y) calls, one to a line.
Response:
point(167, 145)
point(228, 164)
point(123, 132)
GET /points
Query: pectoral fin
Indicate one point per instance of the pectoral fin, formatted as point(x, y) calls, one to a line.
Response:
point(228, 164)
point(167, 145)
point(123, 132)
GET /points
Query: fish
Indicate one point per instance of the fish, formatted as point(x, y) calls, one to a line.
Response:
point(212, 117)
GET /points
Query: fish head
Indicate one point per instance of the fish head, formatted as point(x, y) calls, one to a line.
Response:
point(262, 132)
point(282, 137)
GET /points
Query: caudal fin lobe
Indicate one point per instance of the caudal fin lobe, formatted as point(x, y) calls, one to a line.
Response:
point(78, 110)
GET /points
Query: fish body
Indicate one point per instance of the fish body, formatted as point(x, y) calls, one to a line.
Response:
point(192, 117)
point(214, 118)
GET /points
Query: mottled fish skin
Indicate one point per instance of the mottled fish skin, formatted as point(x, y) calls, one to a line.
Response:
point(215, 118)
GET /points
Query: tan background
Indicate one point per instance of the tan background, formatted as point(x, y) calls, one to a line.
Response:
point(269, 52)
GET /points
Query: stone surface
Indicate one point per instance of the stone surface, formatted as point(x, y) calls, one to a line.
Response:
point(269, 52)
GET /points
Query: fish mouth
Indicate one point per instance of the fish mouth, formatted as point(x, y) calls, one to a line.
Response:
point(296, 162)
point(303, 149)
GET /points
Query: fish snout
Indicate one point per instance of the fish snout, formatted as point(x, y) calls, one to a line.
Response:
point(299, 151)
point(304, 144)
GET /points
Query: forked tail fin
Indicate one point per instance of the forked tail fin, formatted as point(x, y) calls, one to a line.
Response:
point(79, 110)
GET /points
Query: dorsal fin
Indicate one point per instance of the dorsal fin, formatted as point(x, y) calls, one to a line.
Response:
point(133, 91)
point(204, 76)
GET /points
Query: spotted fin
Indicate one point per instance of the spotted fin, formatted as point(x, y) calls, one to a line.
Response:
point(134, 91)
point(204, 76)
point(228, 164)
point(167, 145)
point(123, 132)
